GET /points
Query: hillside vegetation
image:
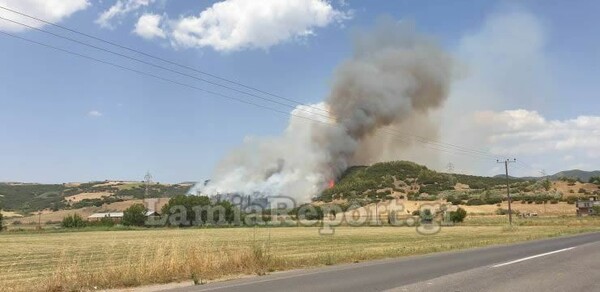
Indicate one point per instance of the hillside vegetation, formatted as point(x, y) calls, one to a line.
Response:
point(408, 180)
point(27, 198)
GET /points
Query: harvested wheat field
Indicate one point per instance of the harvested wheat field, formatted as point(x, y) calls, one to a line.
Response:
point(70, 261)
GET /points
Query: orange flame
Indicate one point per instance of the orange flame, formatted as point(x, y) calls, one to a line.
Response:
point(331, 183)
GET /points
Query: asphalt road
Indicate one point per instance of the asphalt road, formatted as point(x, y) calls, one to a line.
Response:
point(560, 264)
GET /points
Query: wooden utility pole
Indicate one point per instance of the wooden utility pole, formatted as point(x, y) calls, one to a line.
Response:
point(506, 162)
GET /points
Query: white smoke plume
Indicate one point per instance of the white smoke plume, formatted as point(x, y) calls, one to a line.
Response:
point(395, 76)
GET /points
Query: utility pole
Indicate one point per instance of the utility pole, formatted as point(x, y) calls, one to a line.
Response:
point(506, 162)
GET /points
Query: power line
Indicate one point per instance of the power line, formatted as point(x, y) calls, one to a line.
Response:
point(204, 90)
point(149, 63)
point(329, 116)
point(152, 56)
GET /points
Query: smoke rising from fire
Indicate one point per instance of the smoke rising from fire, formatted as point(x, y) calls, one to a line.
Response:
point(394, 78)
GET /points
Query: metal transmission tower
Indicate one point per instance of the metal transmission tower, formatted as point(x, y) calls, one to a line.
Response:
point(450, 167)
point(506, 162)
point(147, 182)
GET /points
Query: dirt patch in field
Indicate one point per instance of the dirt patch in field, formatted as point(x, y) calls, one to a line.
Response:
point(10, 214)
point(82, 196)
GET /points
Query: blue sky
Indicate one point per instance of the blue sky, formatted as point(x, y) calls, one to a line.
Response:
point(63, 118)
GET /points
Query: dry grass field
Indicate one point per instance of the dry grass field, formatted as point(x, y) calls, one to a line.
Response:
point(81, 196)
point(70, 261)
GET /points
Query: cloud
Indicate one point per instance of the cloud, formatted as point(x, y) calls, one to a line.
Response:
point(523, 132)
point(119, 10)
point(50, 10)
point(94, 114)
point(233, 25)
point(149, 27)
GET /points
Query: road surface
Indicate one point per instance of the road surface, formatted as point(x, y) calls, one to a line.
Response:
point(560, 264)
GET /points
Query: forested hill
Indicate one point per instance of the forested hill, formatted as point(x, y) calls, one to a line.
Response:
point(25, 198)
point(416, 182)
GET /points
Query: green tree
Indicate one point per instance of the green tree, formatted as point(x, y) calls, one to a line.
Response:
point(546, 184)
point(73, 221)
point(135, 215)
point(190, 203)
point(458, 216)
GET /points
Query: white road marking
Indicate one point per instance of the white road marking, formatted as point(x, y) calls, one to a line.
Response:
point(532, 257)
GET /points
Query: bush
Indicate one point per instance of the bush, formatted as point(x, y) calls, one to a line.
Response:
point(493, 200)
point(475, 202)
point(104, 222)
point(458, 216)
point(426, 216)
point(135, 215)
point(553, 201)
point(572, 200)
point(453, 200)
point(596, 210)
point(1, 220)
point(501, 211)
point(73, 221)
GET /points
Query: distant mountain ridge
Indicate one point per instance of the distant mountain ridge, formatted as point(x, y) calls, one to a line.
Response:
point(582, 175)
point(576, 174)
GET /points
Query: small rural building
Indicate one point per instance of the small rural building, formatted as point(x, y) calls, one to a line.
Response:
point(115, 216)
point(586, 207)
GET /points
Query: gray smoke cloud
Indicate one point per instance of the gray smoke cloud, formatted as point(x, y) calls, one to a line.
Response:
point(395, 78)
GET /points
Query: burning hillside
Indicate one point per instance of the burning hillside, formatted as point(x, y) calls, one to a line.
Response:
point(395, 75)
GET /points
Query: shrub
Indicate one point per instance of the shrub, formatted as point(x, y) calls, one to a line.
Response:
point(105, 222)
point(501, 211)
point(426, 216)
point(596, 210)
point(475, 202)
point(1, 219)
point(571, 200)
point(73, 221)
point(582, 191)
point(458, 216)
point(453, 200)
point(493, 200)
point(135, 215)
point(553, 201)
